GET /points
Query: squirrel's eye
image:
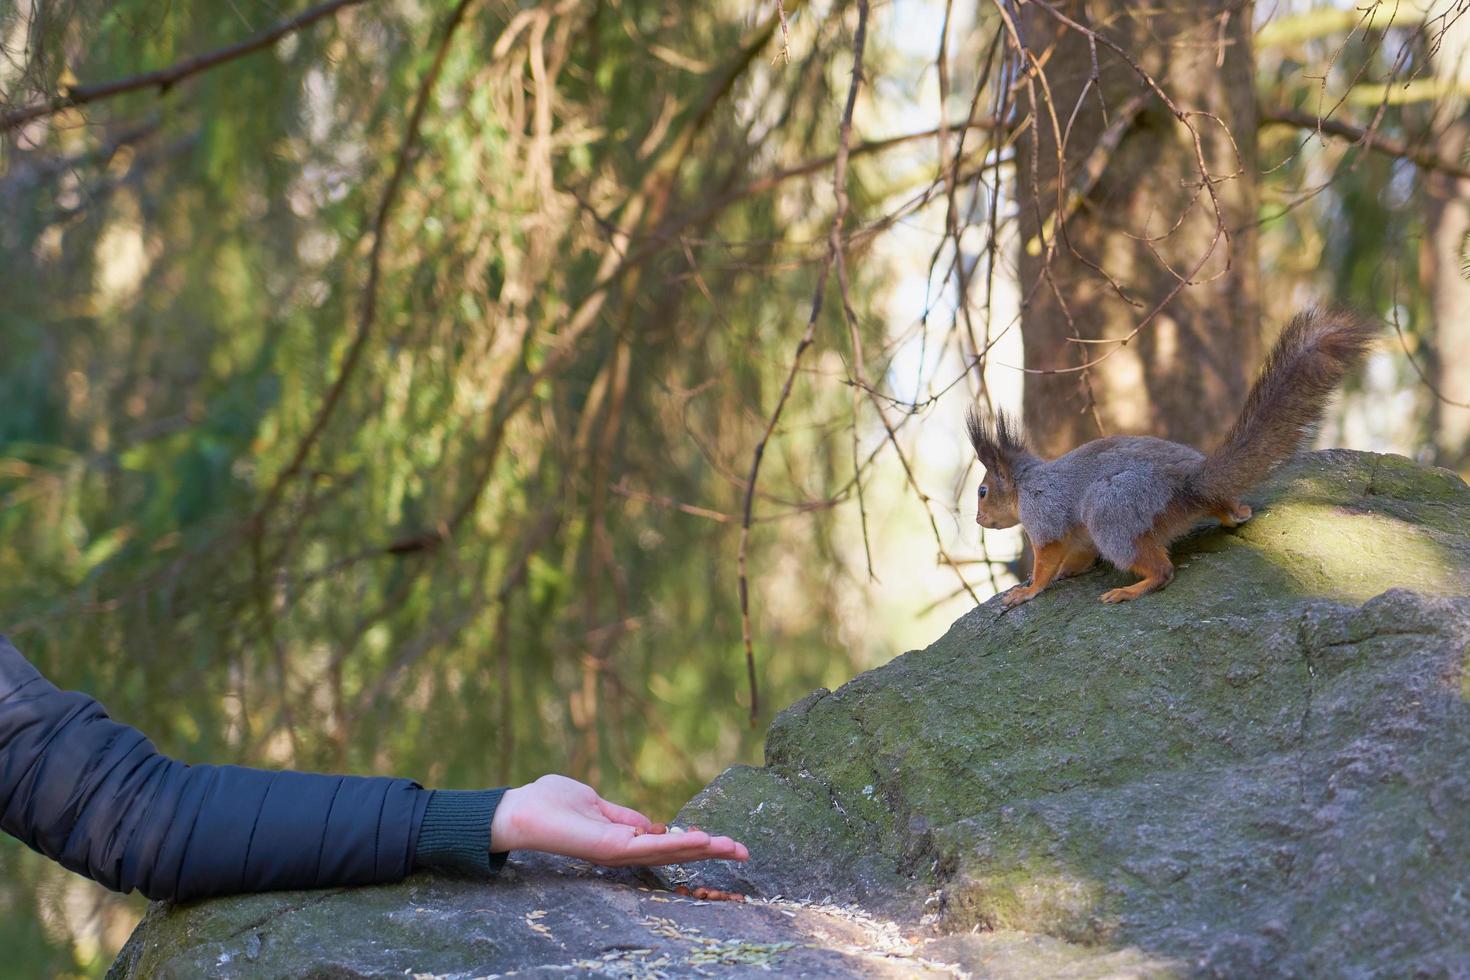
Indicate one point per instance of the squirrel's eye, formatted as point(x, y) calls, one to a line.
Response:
point(983, 491)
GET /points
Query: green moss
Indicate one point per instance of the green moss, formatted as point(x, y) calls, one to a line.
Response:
point(1343, 552)
point(1037, 899)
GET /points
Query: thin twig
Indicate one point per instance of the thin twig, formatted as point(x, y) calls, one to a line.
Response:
point(165, 78)
point(368, 314)
point(257, 523)
point(785, 53)
point(839, 184)
point(1368, 139)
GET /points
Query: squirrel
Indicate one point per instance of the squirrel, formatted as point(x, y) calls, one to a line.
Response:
point(1127, 498)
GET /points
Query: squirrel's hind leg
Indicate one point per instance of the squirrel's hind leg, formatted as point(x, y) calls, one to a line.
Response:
point(1153, 564)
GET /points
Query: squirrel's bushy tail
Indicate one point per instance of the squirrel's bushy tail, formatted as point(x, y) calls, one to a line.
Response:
point(1316, 351)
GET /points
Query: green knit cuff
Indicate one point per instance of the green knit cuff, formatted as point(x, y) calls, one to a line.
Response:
point(455, 833)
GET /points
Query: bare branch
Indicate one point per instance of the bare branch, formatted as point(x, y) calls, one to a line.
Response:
point(839, 184)
point(257, 523)
point(375, 262)
point(1369, 139)
point(165, 78)
point(785, 53)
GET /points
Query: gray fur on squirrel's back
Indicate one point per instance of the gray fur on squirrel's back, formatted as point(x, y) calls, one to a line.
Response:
point(1116, 486)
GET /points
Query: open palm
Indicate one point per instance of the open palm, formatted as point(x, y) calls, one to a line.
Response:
point(562, 816)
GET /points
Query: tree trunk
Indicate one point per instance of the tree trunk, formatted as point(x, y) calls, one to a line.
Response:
point(1185, 374)
point(1446, 225)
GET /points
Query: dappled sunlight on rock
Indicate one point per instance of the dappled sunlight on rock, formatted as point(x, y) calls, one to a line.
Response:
point(1343, 553)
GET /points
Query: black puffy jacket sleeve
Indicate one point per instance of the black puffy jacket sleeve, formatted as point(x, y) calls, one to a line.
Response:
point(99, 799)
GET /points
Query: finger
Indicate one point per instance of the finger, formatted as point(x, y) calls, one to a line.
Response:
point(716, 847)
point(681, 857)
point(679, 848)
point(627, 816)
point(657, 848)
point(724, 848)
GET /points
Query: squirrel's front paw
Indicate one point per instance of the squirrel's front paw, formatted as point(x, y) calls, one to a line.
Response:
point(1016, 595)
point(1234, 515)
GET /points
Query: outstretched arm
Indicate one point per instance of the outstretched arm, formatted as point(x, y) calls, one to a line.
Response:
point(99, 799)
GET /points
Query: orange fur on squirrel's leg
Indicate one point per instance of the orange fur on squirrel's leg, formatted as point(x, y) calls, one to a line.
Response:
point(1044, 568)
point(1078, 560)
point(1232, 516)
point(1153, 564)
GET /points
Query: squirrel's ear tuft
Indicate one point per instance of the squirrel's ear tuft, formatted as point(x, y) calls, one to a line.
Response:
point(976, 429)
point(980, 438)
point(1009, 436)
point(996, 447)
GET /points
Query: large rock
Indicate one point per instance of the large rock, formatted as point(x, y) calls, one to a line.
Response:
point(1264, 770)
point(548, 918)
point(544, 917)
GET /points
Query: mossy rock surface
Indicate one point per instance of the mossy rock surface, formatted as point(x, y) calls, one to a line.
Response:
point(543, 918)
point(1262, 771)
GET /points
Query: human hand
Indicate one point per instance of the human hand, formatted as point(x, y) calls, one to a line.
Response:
point(562, 816)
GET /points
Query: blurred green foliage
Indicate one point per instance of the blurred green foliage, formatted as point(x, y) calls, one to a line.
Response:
point(463, 581)
point(508, 547)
